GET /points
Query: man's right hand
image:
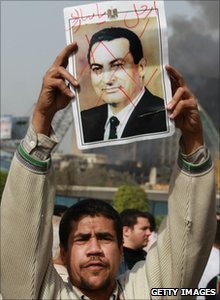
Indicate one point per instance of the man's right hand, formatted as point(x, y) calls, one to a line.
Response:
point(55, 94)
point(183, 109)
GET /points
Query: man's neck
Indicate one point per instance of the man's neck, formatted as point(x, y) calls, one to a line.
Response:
point(130, 245)
point(133, 250)
point(116, 107)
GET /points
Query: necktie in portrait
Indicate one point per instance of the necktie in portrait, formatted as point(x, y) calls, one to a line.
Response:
point(114, 122)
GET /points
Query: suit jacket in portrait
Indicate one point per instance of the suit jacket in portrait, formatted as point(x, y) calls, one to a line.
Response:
point(149, 116)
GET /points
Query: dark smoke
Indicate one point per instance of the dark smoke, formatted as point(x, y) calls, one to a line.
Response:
point(209, 11)
point(194, 50)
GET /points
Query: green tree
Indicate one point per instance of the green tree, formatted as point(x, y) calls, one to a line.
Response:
point(159, 220)
point(3, 177)
point(130, 196)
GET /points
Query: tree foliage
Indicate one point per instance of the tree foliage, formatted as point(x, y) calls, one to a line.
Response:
point(130, 196)
point(3, 177)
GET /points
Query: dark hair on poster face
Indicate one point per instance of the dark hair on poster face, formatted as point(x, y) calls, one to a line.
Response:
point(112, 33)
point(88, 207)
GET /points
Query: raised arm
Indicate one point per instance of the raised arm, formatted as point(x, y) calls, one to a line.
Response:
point(28, 199)
point(184, 110)
point(186, 236)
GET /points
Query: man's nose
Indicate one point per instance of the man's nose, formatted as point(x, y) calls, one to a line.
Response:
point(148, 232)
point(94, 247)
point(108, 76)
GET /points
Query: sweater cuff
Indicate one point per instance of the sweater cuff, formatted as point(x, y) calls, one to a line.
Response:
point(195, 163)
point(31, 163)
point(38, 146)
point(34, 151)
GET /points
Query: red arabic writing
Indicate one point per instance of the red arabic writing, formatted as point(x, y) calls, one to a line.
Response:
point(78, 16)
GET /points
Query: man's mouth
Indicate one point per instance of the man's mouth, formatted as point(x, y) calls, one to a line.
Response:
point(95, 267)
point(110, 90)
point(95, 262)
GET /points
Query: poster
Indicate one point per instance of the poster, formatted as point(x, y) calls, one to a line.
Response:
point(120, 66)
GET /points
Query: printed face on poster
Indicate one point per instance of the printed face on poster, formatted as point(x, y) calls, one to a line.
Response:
point(120, 66)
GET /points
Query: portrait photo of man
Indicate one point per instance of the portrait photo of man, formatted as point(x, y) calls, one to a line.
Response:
point(117, 66)
point(119, 105)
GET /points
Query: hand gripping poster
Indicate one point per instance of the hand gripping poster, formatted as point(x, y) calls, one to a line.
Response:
point(120, 66)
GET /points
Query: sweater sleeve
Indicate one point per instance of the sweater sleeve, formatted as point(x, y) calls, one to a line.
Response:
point(26, 213)
point(186, 236)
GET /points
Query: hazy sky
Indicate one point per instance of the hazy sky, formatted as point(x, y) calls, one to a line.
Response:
point(32, 34)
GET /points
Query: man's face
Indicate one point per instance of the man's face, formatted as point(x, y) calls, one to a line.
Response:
point(115, 77)
point(93, 255)
point(138, 236)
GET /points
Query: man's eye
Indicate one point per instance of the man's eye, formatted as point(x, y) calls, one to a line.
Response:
point(80, 240)
point(118, 65)
point(106, 238)
point(96, 70)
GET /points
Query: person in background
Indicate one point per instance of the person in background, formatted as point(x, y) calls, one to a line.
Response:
point(153, 227)
point(214, 284)
point(136, 233)
point(212, 269)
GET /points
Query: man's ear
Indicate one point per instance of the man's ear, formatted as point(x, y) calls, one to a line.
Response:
point(126, 231)
point(142, 67)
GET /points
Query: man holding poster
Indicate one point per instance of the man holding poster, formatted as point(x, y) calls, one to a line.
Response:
point(90, 232)
point(118, 68)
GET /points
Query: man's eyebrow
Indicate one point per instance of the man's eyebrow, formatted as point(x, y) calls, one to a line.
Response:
point(116, 60)
point(104, 235)
point(96, 65)
point(99, 234)
point(146, 227)
point(110, 63)
point(82, 235)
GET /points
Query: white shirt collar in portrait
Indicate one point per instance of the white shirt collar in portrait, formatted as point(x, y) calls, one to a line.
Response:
point(122, 116)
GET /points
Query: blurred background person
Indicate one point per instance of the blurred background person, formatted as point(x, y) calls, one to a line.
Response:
point(212, 269)
point(153, 228)
point(136, 232)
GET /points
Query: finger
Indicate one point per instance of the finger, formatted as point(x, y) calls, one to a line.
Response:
point(183, 105)
point(175, 77)
point(67, 76)
point(176, 98)
point(60, 72)
point(62, 58)
point(61, 86)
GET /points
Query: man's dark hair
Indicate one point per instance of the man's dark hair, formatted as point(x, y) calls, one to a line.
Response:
point(59, 210)
point(129, 216)
point(88, 207)
point(112, 33)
